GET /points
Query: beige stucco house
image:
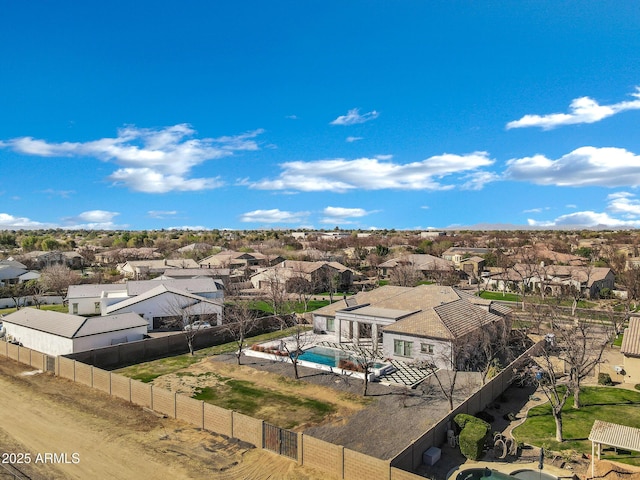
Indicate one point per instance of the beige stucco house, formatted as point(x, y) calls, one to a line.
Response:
point(631, 351)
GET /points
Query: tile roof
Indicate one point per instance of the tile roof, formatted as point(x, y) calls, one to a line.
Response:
point(438, 311)
point(420, 261)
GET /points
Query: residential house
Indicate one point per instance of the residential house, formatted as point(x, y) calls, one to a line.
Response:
point(432, 234)
point(39, 259)
point(457, 254)
point(429, 323)
point(321, 276)
point(631, 351)
point(553, 279)
point(10, 271)
point(122, 255)
point(428, 265)
point(472, 266)
point(195, 247)
point(164, 307)
point(221, 274)
point(143, 269)
point(92, 299)
point(57, 333)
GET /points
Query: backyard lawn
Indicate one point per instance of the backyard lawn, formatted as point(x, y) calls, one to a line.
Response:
point(277, 399)
point(297, 307)
point(54, 308)
point(609, 404)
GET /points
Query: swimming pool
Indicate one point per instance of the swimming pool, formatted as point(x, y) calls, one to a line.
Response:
point(330, 357)
point(532, 475)
point(481, 474)
point(490, 474)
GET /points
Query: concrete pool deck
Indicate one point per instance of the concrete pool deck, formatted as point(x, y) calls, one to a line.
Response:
point(510, 468)
point(402, 374)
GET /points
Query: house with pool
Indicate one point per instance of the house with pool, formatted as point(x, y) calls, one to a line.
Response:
point(429, 323)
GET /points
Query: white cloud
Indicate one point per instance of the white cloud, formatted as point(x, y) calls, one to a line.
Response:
point(151, 160)
point(340, 175)
point(571, 205)
point(425, 207)
point(623, 203)
point(99, 216)
point(190, 227)
point(341, 215)
point(92, 220)
point(353, 117)
point(582, 110)
point(353, 139)
point(10, 222)
point(477, 180)
point(148, 180)
point(161, 213)
point(273, 216)
point(89, 220)
point(585, 219)
point(60, 193)
point(533, 210)
point(585, 166)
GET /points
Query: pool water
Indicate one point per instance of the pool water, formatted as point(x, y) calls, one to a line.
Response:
point(532, 475)
point(482, 473)
point(329, 356)
point(489, 474)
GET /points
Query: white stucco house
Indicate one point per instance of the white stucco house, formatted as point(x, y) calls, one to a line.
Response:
point(430, 323)
point(93, 299)
point(162, 306)
point(57, 333)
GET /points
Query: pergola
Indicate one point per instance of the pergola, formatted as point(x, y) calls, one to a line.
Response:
point(614, 435)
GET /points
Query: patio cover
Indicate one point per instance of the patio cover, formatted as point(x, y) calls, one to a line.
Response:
point(614, 435)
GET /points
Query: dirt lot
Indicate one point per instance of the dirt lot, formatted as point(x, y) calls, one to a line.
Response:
point(114, 439)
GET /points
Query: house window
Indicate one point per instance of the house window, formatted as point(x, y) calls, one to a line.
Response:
point(96, 306)
point(426, 348)
point(402, 348)
point(331, 326)
point(74, 307)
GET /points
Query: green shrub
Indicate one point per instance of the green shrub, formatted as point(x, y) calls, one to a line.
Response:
point(473, 435)
point(637, 386)
point(604, 379)
point(472, 440)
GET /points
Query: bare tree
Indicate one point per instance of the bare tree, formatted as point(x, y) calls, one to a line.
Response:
point(191, 317)
point(57, 278)
point(581, 346)
point(446, 380)
point(364, 359)
point(294, 346)
point(240, 320)
point(16, 292)
point(404, 274)
point(276, 292)
point(546, 377)
point(36, 290)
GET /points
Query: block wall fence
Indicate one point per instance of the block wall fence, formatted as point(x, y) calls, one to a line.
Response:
point(333, 460)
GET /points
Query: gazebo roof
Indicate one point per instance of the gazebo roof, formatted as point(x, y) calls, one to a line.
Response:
point(620, 436)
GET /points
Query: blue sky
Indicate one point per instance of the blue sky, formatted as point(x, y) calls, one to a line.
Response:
point(360, 114)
